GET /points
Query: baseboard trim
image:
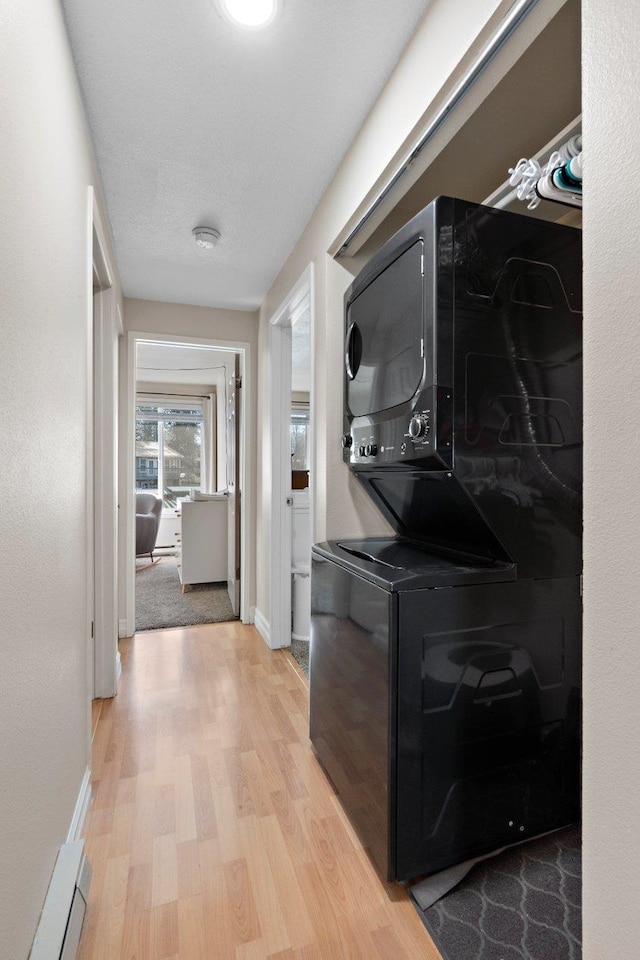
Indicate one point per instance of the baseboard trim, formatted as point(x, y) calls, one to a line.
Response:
point(252, 615)
point(82, 806)
point(60, 925)
point(262, 626)
point(122, 629)
point(118, 668)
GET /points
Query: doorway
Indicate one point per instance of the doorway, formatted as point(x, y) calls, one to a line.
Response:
point(185, 484)
point(102, 465)
point(186, 474)
point(291, 337)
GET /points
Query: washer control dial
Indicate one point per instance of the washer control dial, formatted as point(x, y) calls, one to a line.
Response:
point(418, 426)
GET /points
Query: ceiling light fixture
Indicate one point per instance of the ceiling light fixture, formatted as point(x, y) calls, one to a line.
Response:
point(206, 237)
point(250, 13)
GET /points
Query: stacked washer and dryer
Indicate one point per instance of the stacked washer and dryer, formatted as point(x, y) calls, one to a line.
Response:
point(445, 661)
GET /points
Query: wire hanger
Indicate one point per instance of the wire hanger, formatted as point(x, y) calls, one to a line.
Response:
point(558, 180)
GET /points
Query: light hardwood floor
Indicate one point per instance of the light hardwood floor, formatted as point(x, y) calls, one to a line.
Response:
point(213, 833)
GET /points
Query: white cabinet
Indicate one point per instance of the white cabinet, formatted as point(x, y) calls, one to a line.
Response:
point(202, 544)
point(169, 529)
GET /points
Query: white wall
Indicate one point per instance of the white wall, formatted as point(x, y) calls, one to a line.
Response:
point(341, 507)
point(611, 90)
point(45, 170)
point(154, 317)
point(176, 319)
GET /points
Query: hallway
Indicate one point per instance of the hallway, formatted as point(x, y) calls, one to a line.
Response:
point(213, 833)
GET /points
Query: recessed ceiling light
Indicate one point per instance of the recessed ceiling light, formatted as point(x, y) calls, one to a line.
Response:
point(250, 13)
point(206, 237)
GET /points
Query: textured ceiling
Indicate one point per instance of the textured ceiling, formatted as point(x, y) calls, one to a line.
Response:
point(197, 121)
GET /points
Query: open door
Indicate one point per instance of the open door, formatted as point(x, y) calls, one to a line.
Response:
point(234, 387)
point(102, 470)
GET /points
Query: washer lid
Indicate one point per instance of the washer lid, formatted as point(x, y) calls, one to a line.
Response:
point(397, 563)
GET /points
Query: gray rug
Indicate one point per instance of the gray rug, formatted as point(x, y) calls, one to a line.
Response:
point(300, 651)
point(161, 603)
point(523, 904)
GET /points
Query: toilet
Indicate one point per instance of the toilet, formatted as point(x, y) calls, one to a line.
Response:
point(301, 597)
point(300, 566)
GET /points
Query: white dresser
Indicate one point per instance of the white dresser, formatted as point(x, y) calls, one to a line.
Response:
point(202, 541)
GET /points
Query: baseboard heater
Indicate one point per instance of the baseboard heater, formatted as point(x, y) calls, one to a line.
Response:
point(58, 933)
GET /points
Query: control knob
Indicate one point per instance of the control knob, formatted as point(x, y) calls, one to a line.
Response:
point(347, 440)
point(371, 449)
point(418, 427)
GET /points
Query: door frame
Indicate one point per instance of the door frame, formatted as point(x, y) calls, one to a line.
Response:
point(105, 327)
point(127, 496)
point(300, 298)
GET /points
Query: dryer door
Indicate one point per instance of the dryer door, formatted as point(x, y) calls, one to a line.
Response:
point(384, 348)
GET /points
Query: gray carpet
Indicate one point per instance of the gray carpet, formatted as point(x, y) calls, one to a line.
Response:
point(523, 904)
point(300, 651)
point(161, 603)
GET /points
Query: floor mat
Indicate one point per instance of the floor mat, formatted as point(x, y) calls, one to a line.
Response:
point(160, 601)
point(300, 651)
point(523, 904)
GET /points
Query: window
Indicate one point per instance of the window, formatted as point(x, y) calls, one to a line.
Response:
point(168, 447)
point(299, 438)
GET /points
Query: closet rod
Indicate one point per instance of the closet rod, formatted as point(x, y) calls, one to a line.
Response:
point(511, 22)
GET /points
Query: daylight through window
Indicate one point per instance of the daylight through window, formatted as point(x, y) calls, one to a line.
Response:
point(168, 448)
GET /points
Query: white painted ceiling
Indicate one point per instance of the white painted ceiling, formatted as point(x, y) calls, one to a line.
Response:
point(196, 121)
point(177, 364)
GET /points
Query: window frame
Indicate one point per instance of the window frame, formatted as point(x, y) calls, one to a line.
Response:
point(159, 416)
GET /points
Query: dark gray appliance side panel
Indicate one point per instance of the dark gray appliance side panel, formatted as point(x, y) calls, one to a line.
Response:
point(488, 718)
point(351, 625)
point(518, 384)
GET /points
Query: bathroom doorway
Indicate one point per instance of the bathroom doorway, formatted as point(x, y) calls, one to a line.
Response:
point(291, 335)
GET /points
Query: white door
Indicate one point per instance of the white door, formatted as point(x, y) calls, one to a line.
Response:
point(233, 485)
point(102, 467)
point(105, 490)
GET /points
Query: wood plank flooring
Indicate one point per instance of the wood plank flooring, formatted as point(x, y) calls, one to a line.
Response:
point(213, 832)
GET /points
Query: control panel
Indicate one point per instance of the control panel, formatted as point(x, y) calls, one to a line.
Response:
point(389, 442)
point(406, 436)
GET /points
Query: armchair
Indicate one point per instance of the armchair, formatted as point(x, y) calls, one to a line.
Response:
point(148, 510)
